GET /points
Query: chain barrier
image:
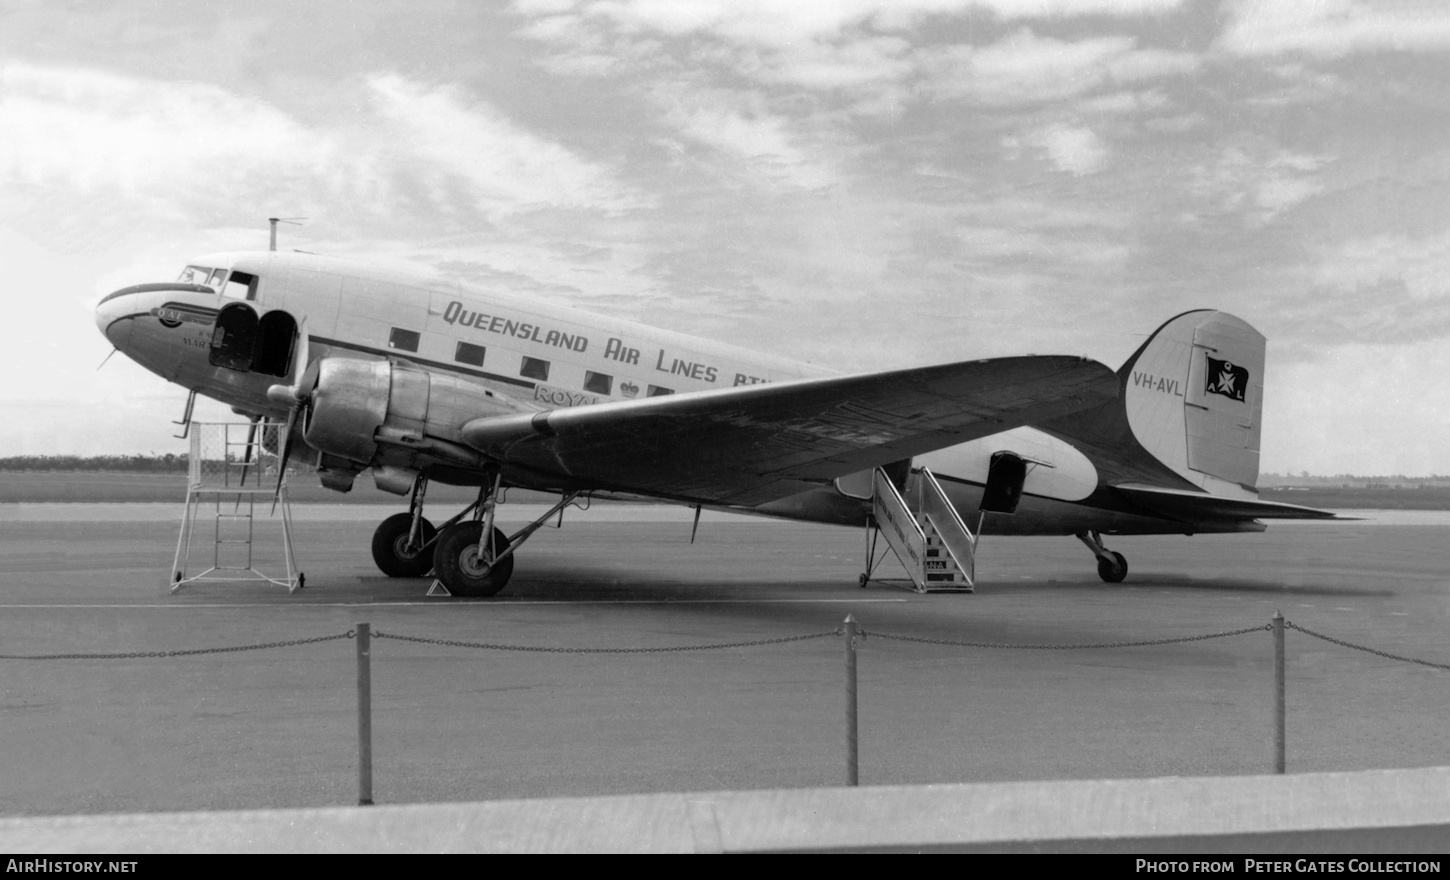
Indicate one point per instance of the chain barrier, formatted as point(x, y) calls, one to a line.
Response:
point(861, 634)
point(665, 650)
point(1385, 654)
point(186, 653)
point(1082, 647)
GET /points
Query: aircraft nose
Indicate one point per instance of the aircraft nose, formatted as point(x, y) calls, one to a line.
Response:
point(113, 316)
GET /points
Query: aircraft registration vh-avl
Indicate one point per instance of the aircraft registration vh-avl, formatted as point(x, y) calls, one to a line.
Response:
point(418, 377)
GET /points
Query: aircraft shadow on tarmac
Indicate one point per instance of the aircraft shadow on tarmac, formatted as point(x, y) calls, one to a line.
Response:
point(579, 583)
point(1250, 585)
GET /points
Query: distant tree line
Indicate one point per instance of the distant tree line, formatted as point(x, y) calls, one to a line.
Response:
point(169, 463)
point(1272, 480)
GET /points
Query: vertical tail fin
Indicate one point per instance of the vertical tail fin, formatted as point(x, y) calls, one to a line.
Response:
point(1193, 397)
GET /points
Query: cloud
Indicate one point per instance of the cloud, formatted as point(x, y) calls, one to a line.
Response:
point(1025, 68)
point(1073, 149)
point(1124, 103)
point(772, 23)
point(1360, 408)
point(866, 49)
point(189, 142)
point(849, 65)
point(1417, 265)
point(1280, 193)
point(1334, 28)
point(504, 168)
point(1012, 9)
point(1256, 181)
point(79, 141)
point(1175, 124)
point(758, 140)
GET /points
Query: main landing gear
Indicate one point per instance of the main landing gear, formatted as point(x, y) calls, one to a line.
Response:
point(402, 544)
point(468, 554)
point(1112, 566)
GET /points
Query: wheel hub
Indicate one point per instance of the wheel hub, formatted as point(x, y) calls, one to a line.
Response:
point(404, 549)
point(472, 563)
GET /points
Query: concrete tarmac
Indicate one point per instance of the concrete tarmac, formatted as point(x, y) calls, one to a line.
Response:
point(277, 727)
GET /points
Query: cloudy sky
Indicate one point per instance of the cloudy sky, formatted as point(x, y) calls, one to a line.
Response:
point(856, 183)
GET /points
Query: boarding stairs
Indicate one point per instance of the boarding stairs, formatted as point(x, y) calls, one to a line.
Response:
point(230, 471)
point(935, 545)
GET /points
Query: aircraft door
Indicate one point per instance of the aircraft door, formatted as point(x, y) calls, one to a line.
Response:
point(276, 338)
point(234, 337)
point(243, 342)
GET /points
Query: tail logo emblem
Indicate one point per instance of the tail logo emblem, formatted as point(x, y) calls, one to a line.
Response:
point(1227, 379)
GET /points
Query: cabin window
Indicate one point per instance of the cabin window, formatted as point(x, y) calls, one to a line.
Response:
point(403, 340)
point(656, 391)
point(533, 368)
point(241, 285)
point(598, 383)
point(468, 353)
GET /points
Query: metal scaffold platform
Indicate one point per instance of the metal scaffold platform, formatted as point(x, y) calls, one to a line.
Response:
point(233, 467)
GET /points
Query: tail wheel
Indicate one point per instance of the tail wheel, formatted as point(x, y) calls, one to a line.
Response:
point(393, 553)
point(1113, 572)
point(457, 562)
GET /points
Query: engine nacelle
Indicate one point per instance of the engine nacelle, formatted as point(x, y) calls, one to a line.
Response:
point(356, 402)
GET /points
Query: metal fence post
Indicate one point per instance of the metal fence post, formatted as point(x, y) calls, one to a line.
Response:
point(364, 715)
point(852, 774)
point(1278, 627)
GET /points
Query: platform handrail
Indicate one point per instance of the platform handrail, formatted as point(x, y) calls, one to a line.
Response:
point(955, 536)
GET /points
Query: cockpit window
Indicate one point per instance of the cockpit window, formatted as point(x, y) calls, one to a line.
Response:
point(242, 285)
point(201, 275)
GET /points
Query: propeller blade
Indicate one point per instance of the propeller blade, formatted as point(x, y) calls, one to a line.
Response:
point(297, 396)
point(300, 353)
point(285, 452)
point(251, 445)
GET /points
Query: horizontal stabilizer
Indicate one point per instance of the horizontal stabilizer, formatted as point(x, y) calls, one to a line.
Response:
point(1193, 506)
point(753, 444)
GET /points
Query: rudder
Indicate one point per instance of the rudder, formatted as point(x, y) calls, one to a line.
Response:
point(1193, 397)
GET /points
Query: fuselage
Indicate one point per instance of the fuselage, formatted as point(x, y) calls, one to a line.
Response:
point(231, 327)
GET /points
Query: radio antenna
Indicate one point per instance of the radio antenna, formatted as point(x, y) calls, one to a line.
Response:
point(272, 246)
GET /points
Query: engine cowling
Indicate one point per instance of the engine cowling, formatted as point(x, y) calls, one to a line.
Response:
point(357, 402)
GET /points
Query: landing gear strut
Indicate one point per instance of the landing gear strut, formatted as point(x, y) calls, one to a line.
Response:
point(1112, 566)
point(402, 544)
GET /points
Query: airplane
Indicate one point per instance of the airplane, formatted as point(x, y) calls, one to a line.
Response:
point(419, 377)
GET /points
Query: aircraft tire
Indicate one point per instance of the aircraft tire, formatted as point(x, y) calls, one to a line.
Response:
point(456, 562)
point(391, 551)
point(1113, 572)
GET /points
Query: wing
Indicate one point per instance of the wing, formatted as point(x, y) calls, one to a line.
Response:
point(753, 444)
